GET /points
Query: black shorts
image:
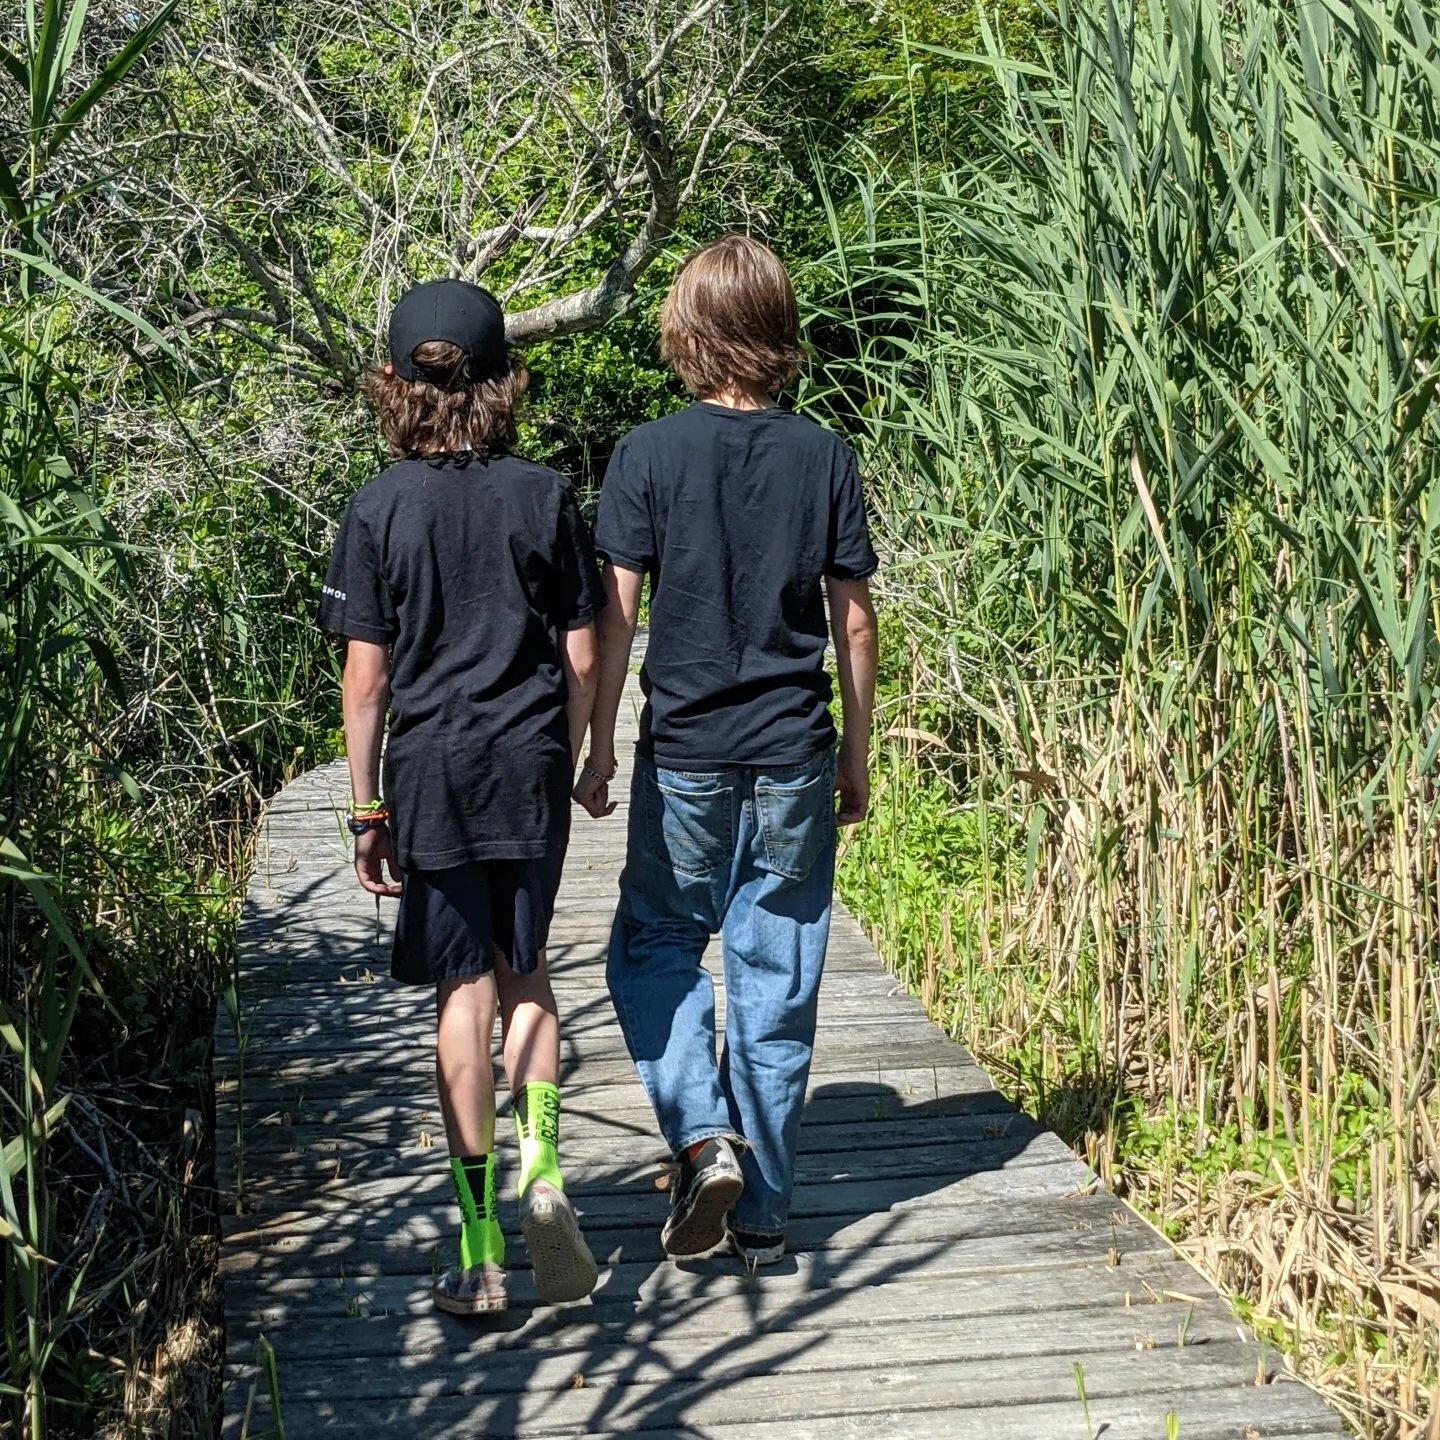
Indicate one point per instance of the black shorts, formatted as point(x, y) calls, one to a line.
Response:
point(451, 922)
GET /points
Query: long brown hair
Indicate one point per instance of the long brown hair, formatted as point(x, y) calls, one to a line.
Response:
point(446, 412)
point(731, 316)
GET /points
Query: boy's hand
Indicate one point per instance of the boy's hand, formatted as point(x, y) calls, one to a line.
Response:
point(371, 849)
point(852, 785)
point(592, 793)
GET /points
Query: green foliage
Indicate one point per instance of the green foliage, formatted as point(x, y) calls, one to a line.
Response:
point(1147, 386)
point(144, 717)
point(586, 393)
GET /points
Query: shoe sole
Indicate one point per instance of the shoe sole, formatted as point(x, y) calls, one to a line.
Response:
point(481, 1305)
point(756, 1259)
point(702, 1228)
point(565, 1270)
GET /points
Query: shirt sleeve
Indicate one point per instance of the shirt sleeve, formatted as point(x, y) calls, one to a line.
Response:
point(624, 529)
point(355, 600)
point(579, 596)
point(851, 556)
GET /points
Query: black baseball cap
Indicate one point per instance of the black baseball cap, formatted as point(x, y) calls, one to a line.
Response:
point(453, 310)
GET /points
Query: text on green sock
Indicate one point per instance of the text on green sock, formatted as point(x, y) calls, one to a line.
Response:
point(537, 1118)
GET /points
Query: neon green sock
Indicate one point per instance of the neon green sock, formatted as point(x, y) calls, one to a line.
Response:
point(537, 1118)
point(481, 1240)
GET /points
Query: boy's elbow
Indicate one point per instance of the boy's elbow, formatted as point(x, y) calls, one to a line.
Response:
point(582, 661)
point(366, 694)
point(366, 678)
point(862, 629)
point(850, 602)
point(859, 629)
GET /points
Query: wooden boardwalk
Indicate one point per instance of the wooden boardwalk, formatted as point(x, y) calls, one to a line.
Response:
point(954, 1267)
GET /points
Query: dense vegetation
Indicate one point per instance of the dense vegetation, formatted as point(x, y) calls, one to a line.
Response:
point(1132, 313)
point(1150, 388)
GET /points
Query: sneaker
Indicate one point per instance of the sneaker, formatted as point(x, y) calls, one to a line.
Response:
point(480, 1290)
point(564, 1267)
point(756, 1248)
point(705, 1190)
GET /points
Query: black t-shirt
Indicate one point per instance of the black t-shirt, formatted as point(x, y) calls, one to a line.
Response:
point(469, 570)
point(736, 516)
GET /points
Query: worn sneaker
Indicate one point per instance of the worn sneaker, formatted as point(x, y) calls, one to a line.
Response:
point(757, 1249)
point(480, 1290)
point(704, 1191)
point(564, 1267)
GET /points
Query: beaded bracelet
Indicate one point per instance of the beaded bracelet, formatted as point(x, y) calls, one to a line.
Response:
point(588, 769)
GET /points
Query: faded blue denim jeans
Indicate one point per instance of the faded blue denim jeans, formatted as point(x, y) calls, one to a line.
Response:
point(748, 854)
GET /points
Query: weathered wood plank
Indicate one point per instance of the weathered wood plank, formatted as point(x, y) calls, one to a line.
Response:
point(365, 1022)
point(392, 1050)
point(634, 1167)
point(1279, 1411)
point(628, 1236)
point(395, 1316)
point(950, 1261)
point(272, 995)
point(371, 1157)
point(782, 1393)
point(315, 1232)
point(663, 1355)
point(335, 1071)
point(879, 1093)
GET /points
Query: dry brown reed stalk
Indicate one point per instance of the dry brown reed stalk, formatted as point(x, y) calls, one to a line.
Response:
point(1333, 1237)
point(1151, 391)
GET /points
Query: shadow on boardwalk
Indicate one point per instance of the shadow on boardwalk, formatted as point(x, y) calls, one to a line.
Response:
point(953, 1269)
point(659, 1341)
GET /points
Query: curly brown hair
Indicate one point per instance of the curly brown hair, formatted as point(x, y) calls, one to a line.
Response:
point(446, 412)
point(731, 317)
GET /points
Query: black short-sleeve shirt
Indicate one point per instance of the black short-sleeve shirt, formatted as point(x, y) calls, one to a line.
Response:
point(469, 570)
point(737, 516)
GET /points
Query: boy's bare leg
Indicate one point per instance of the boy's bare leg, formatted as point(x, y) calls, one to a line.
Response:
point(464, 1030)
point(465, 1027)
point(564, 1268)
point(530, 1023)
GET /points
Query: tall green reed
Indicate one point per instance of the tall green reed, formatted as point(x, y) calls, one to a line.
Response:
point(60, 562)
point(1149, 367)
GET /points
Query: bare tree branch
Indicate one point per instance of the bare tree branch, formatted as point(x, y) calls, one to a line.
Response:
point(353, 152)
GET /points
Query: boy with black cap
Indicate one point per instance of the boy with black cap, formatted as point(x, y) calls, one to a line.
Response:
point(464, 581)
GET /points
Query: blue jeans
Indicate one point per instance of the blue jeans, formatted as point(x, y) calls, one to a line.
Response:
point(748, 854)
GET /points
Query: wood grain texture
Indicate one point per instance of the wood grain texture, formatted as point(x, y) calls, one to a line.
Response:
point(950, 1266)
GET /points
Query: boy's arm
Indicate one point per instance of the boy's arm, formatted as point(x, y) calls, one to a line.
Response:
point(616, 635)
point(857, 648)
point(364, 701)
point(581, 671)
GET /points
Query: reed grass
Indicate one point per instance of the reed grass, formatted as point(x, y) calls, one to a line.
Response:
point(1147, 366)
point(145, 708)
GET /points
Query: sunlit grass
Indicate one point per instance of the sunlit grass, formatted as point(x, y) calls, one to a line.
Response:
point(1149, 390)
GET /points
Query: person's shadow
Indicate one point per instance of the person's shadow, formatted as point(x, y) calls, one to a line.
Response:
point(886, 1192)
point(880, 1181)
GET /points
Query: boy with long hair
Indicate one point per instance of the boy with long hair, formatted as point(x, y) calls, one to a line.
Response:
point(464, 581)
point(746, 518)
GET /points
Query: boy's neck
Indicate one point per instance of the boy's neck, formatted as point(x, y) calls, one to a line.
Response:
point(740, 395)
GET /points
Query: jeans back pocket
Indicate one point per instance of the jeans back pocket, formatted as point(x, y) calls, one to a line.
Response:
point(690, 827)
point(797, 819)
